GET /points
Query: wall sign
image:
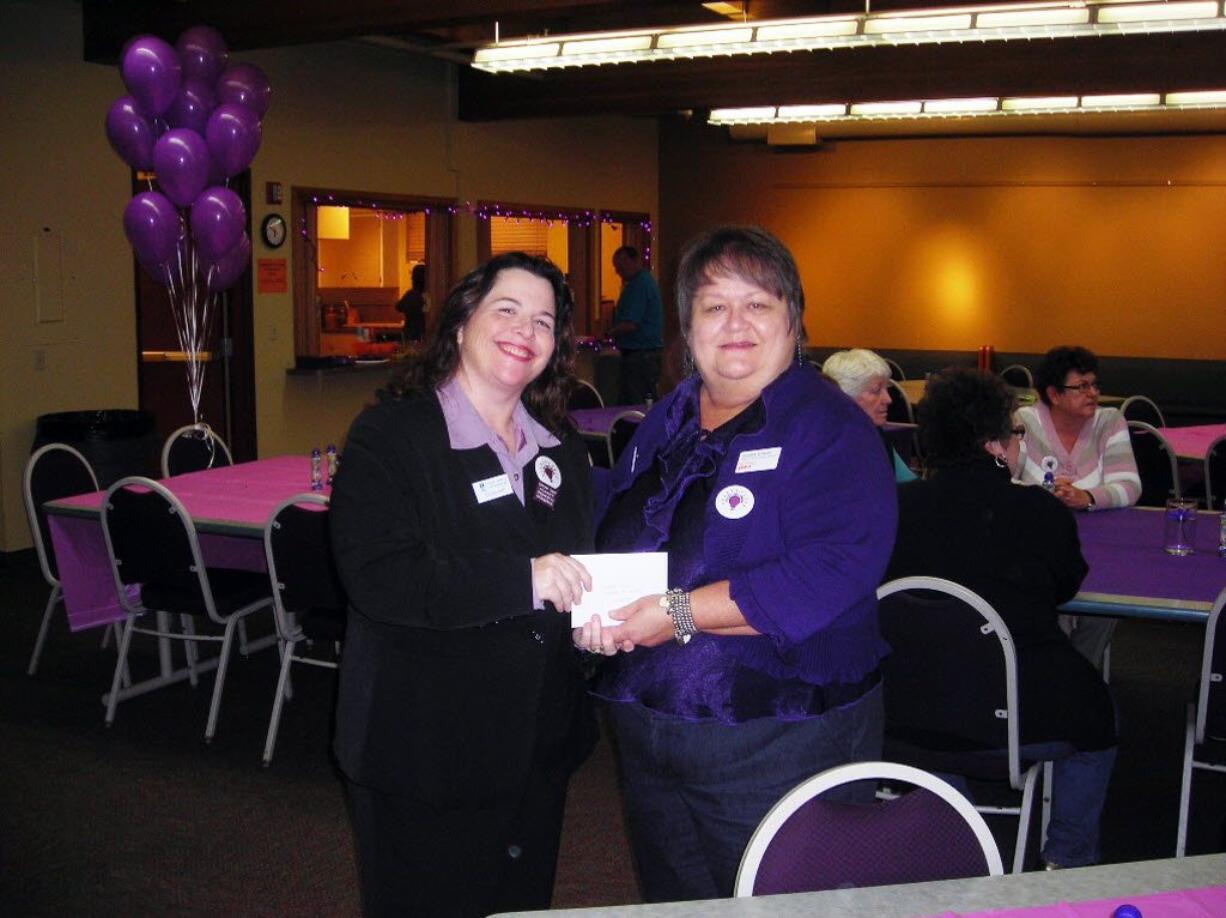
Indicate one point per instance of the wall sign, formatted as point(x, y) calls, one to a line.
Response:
point(271, 275)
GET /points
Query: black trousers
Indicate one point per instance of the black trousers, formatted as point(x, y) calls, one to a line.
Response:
point(419, 860)
point(639, 376)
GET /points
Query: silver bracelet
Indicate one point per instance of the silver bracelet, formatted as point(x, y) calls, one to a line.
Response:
point(677, 604)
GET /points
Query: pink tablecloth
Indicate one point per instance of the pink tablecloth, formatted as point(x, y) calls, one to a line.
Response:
point(1192, 442)
point(1209, 902)
point(235, 499)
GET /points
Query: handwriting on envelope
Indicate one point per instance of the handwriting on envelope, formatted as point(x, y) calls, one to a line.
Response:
point(619, 579)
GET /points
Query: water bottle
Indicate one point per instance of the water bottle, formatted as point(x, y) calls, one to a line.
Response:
point(317, 475)
point(333, 463)
point(1221, 534)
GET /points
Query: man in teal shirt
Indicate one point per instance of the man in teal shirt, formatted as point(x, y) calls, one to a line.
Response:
point(638, 329)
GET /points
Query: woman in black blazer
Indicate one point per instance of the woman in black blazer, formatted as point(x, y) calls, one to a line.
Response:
point(1017, 547)
point(461, 711)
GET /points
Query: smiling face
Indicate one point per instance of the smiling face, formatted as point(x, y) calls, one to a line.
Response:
point(509, 338)
point(740, 335)
point(874, 398)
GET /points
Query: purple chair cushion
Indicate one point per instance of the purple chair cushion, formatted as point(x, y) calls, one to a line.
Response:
point(829, 845)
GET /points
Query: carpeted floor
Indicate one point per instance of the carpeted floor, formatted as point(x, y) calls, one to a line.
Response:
point(145, 819)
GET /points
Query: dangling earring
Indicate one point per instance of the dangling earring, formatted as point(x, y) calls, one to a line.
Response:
point(687, 363)
point(1001, 462)
point(800, 352)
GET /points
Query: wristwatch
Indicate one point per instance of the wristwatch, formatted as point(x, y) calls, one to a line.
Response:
point(677, 604)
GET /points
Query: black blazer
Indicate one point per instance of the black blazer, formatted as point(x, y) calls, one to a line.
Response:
point(451, 686)
point(1017, 547)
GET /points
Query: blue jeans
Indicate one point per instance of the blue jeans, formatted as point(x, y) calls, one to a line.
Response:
point(696, 790)
point(1079, 790)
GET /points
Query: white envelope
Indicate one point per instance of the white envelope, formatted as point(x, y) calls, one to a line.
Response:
point(618, 579)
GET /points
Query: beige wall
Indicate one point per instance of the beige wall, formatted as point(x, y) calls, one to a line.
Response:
point(348, 115)
point(1020, 242)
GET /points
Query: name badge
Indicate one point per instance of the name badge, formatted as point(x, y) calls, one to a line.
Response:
point(492, 488)
point(758, 460)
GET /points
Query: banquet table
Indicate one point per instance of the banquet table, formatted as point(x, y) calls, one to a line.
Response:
point(1192, 442)
point(228, 505)
point(594, 422)
point(1172, 888)
point(1132, 577)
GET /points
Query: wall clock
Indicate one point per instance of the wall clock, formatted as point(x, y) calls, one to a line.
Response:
point(273, 230)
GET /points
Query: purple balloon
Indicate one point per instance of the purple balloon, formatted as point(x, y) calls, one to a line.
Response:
point(233, 134)
point(161, 272)
point(244, 84)
point(131, 134)
point(152, 226)
point(203, 53)
point(192, 106)
point(218, 218)
point(151, 72)
point(181, 161)
point(222, 273)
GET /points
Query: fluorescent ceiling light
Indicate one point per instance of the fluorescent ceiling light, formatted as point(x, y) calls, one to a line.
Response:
point(607, 45)
point(887, 108)
point(1150, 12)
point(1122, 100)
point(1051, 16)
point(954, 106)
point(887, 24)
point(811, 112)
point(1203, 97)
point(1042, 19)
point(704, 37)
point(829, 113)
point(1038, 103)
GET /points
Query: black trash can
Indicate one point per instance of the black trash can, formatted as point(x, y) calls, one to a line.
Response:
point(116, 441)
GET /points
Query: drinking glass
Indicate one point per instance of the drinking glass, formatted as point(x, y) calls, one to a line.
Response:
point(1179, 531)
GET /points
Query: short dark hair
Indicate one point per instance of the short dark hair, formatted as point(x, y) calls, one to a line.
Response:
point(629, 251)
point(962, 409)
point(749, 252)
point(1056, 365)
point(545, 396)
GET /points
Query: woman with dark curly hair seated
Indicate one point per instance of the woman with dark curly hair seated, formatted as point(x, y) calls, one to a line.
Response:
point(1017, 547)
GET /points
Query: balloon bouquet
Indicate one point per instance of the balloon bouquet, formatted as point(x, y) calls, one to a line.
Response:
point(194, 122)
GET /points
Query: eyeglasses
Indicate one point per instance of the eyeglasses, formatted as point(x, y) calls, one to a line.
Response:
point(1018, 431)
point(1084, 388)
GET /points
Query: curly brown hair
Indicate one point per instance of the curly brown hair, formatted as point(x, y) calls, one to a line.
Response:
point(545, 396)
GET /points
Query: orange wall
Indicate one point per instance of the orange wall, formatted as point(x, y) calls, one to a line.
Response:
point(1022, 243)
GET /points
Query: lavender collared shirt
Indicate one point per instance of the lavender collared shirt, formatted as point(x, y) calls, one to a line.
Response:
point(466, 430)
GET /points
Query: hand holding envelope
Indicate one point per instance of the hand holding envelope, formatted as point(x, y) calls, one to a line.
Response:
point(617, 581)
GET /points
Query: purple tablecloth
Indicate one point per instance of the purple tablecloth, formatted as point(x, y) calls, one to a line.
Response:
point(596, 421)
point(237, 499)
point(1124, 551)
point(1192, 442)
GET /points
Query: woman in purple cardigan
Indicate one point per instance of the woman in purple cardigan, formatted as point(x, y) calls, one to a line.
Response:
point(759, 667)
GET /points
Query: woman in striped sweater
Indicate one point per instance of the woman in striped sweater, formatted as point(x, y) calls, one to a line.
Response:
point(1085, 449)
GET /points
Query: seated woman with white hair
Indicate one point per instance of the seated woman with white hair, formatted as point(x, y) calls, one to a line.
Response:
point(864, 376)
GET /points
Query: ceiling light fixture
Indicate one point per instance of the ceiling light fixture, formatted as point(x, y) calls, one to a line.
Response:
point(979, 107)
point(1061, 19)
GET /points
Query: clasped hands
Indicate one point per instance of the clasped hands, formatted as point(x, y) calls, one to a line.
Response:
point(562, 580)
point(1070, 495)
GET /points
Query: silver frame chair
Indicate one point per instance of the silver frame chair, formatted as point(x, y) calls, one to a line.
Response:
point(1214, 494)
point(896, 370)
point(899, 395)
point(584, 384)
point(891, 772)
point(993, 624)
point(1142, 400)
point(56, 596)
point(289, 633)
point(620, 416)
point(1151, 430)
point(1194, 731)
point(1023, 370)
point(134, 610)
point(201, 431)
